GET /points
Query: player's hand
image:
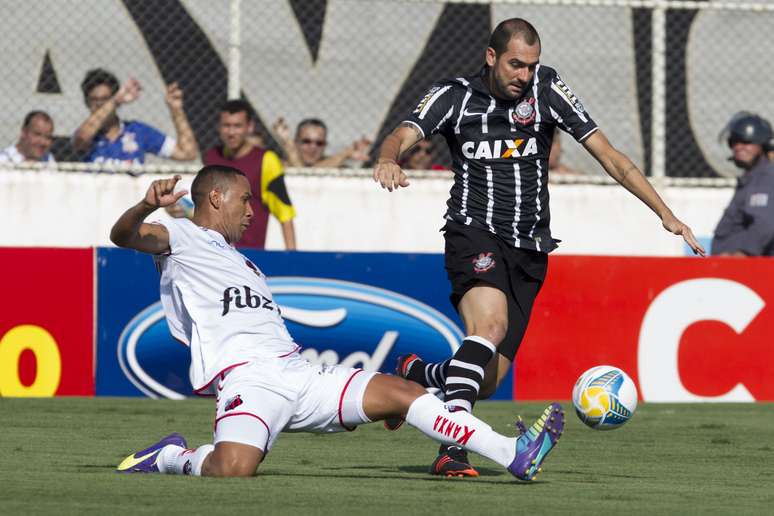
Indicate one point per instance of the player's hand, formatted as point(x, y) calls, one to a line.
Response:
point(128, 92)
point(673, 225)
point(161, 193)
point(174, 96)
point(390, 176)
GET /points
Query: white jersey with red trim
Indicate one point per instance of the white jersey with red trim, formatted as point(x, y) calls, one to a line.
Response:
point(217, 302)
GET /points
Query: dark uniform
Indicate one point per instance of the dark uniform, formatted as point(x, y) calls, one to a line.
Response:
point(747, 224)
point(498, 218)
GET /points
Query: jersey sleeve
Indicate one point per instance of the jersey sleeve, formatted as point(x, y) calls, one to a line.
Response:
point(179, 238)
point(568, 111)
point(156, 142)
point(434, 110)
point(273, 190)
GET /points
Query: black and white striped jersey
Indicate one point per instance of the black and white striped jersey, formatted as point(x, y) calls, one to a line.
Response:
point(500, 151)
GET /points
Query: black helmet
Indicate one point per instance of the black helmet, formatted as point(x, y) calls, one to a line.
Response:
point(749, 128)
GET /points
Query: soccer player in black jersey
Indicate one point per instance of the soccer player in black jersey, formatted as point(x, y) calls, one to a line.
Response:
point(499, 125)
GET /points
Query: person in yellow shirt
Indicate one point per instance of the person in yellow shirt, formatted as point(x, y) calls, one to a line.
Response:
point(263, 169)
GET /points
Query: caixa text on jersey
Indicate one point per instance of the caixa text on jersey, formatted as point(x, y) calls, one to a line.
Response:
point(500, 149)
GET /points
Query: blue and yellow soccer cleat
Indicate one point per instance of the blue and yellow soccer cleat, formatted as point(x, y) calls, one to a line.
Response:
point(145, 461)
point(534, 444)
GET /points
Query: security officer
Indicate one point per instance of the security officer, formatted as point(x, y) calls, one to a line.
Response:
point(747, 225)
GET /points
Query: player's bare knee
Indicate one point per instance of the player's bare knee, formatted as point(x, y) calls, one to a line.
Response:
point(492, 329)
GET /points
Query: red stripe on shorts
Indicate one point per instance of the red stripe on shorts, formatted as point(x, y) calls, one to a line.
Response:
point(268, 432)
point(341, 400)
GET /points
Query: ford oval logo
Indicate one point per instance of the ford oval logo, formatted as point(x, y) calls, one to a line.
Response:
point(335, 322)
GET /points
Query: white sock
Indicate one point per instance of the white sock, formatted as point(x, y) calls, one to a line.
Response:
point(181, 461)
point(430, 416)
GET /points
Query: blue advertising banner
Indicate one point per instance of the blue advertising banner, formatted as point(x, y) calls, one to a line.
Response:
point(358, 309)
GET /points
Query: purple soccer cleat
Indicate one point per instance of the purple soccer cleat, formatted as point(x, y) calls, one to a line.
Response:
point(535, 443)
point(145, 461)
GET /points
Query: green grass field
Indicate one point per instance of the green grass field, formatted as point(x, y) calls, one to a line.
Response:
point(57, 456)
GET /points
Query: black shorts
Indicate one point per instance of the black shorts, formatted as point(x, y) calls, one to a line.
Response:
point(474, 256)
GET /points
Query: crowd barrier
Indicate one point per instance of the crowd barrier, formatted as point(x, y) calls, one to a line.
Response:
point(88, 322)
point(346, 211)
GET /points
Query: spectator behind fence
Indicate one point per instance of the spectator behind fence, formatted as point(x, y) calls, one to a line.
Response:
point(420, 157)
point(747, 225)
point(311, 140)
point(37, 134)
point(108, 139)
point(263, 170)
point(555, 164)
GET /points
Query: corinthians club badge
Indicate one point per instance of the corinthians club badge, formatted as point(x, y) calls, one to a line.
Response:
point(483, 262)
point(524, 112)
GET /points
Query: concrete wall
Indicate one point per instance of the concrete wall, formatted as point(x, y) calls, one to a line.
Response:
point(353, 214)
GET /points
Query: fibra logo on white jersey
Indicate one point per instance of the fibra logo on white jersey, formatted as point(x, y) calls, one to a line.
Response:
point(500, 149)
point(335, 322)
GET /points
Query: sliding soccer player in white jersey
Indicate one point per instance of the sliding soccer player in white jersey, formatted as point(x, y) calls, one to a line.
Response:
point(218, 303)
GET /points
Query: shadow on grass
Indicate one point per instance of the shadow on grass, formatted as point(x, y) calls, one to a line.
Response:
point(484, 472)
point(422, 470)
point(390, 474)
point(383, 473)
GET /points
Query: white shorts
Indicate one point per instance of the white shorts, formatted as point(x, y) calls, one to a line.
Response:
point(258, 400)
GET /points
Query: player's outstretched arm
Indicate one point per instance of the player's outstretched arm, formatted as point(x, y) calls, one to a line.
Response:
point(130, 230)
point(621, 168)
point(387, 172)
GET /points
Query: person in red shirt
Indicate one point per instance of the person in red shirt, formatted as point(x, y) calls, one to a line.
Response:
point(263, 169)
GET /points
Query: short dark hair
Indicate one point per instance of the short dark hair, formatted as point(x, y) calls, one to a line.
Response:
point(311, 121)
point(98, 76)
point(235, 106)
point(210, 177)
point(32, 114)
point(512, 28)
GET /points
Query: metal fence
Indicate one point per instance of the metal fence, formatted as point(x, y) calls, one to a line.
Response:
point(661, 78)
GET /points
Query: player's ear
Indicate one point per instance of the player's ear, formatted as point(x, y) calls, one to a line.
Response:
point(216, 198)
point(491, 56)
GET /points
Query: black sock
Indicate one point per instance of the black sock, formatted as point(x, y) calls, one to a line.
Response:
point(429, 374)
point(466, 372)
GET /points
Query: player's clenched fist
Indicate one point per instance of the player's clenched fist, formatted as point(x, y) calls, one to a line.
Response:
point(390, 176)
point(161, 193)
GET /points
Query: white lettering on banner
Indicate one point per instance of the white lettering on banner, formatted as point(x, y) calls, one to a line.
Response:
point(668, 316)
point(358, 358)
point(314, 318)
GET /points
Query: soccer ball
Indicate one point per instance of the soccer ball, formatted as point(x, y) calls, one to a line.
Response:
point(604, 397)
